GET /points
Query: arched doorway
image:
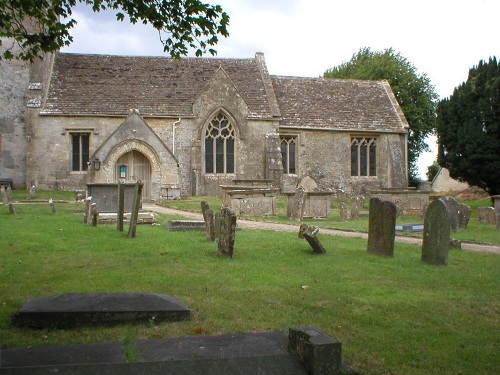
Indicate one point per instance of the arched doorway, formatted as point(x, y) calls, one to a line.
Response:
point(134, 166)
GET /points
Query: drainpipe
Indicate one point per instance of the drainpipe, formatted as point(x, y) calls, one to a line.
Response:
point(173, 134)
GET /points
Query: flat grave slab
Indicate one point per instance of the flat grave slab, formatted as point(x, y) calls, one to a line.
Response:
point(77, 309)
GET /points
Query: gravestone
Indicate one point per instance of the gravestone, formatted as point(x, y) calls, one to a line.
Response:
point(436, 240)
point(52, 206)
point(95, 214)
point(32, 192)
point(88, 208)
point(355, 207)
point(464, 213)
point(382, 227)
point(486, 215)
point(5, 199)
point(204, 207)
point(8, 191)
point(309, 233)
point(453, 210)
point(297, 212)
point(227, 232)
point(308, 184)
point(210, 226)
point(342, 195)
point(12, 209)
point(344, 214)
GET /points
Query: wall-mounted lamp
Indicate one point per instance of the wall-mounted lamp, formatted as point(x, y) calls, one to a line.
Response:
point(97, 164)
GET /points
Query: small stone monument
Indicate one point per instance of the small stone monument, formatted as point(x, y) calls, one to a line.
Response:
point(436, 240)
point(486, 215)
point(309, 233)
point(464, 213)
point(95, 214)
point(355, 207)
point(210, 225)
point(453, 210)
point(382, 227)
point(298, 205)
point(5, 199)
point(52, 206)
point(88, 208)
point(8, 191)
point(227, 232)
point(32, 192)
point(12, 209)
point(344, 214)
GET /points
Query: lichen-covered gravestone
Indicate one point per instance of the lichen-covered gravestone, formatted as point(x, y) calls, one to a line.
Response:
point(486, 215)
point(355, 207)
point(453, 211)
point(209, 218)
point(309, 233)
point(382, 227)
point(298, 204)
point(464, 213)
point(436, 241)
point(227, 232)
point(344, 215)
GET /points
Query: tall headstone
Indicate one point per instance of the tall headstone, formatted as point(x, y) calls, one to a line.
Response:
point(436, 240)
point(210, 225)
point(309, 233)
point(217, 225)
point(5, 199)
point(121, 207)
point(132, 228)
point(464, 213)
point(344, 215)
point(298, 204)
point(356, 203)
point(453, 210)
point(227, 232)
point(382, 227)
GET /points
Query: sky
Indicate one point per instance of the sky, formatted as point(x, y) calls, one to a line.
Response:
point(443, 39)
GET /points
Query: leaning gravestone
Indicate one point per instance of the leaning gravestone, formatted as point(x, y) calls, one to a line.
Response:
point(227, 232)
point(382, 227)
point(309, 233)
point(436, 241)
point(464, 213)
point(453, 210)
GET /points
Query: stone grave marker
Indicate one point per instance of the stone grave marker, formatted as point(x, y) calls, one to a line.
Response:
point(217, 225)
point(88, 208)
point(298, 205)
point(94, 214)
point(382, 227)
point(227, 232)
point(342, 195)
point(8, 191)
point(453, 210)
point(436, 240)
point(355, 207)
point(309, 233)
point(32, 192)
point(52, 206)
point(5, 199)
point(12, 209)
point(464, 213)
point(210, 225)
point(344, 214)
point(132, 228)
point(486, 215)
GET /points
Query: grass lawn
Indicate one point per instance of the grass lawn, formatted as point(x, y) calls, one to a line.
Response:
point(393, 315)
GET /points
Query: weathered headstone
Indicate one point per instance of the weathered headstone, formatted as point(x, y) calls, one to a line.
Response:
point(121, 207)
point(32, 192)
point(88, 209)
point(308, 184)
point(210, 225)
point(227, 232)
point(453, 210)
point(436, 240)
point(12, 209)
point(309, 233)
point(8, 191)
point(464, 213)
point(342, 195)
point(344, 214)
point(382, 227)
point(5, 199)
point(135, 209)
point(94, 213)
point(204, 207)
point(486, 215)
point(52, 206)
point(298, 205)
point(217, 225)
point(355, 207)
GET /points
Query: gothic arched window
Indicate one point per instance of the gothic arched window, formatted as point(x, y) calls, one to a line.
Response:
point(219, 146)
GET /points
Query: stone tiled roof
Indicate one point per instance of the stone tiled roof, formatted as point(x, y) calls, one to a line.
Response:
point(338, 104)
point(156, 86)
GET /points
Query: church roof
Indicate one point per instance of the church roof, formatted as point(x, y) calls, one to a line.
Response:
point(156, 86)
point(338, 104)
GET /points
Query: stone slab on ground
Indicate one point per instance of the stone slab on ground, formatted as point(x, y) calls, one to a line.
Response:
point(76, 309)
point(251, 353)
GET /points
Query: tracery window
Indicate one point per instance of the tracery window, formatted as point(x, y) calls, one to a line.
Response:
point(219, 146)
point(363, 156)
point(80, 151)
point(289, 153)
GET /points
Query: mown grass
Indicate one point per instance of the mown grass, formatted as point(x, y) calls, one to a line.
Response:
point(475, 232)
point(393, 315)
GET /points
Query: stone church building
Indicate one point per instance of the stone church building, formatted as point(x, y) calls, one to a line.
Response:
point(185, 127)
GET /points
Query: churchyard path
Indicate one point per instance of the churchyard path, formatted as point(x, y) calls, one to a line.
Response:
point(278, 227)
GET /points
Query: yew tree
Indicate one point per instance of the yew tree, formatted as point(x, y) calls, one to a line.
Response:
point(468, 128)
point(414, 92)
point(39, 26)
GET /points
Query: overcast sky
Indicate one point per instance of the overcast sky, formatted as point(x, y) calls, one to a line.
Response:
point(441, 38)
